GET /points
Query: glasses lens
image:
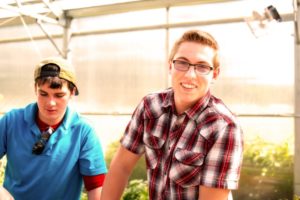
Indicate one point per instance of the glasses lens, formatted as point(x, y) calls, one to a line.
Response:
point(181, 65)
point(203, 69)
point(38, 148)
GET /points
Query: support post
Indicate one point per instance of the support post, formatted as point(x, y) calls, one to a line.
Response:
point(297, 102)
point(67, 34)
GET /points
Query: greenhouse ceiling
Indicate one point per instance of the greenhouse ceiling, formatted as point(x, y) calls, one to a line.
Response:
point(62, 12)
point(54, 10)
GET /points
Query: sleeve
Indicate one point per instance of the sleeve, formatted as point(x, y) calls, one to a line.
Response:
point(133, 136)
point(91, 159)
point(92, 182)
point(223, 162)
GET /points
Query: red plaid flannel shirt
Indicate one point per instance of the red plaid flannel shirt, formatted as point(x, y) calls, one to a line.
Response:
point(205, 148)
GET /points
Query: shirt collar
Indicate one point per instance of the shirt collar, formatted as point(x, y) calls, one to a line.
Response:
point(197, 109)
point(169, 100)
point(43, 126)
point(192, 112)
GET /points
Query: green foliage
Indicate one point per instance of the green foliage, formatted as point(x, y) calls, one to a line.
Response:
point(110, 152)
point(2, 169)
point(269, 157)
point(139, 172)
point(84, 195)
point(267, 172)
point(136, 190)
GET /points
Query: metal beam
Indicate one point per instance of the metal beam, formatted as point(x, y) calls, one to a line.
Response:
point(34, 15)
point(49, 37)
point(78, 9)
point(55, 10)
point(67, 37)
point(85, 9)
point(297, 122)
point(297, 102)
point(297, 20)
point(287, 17)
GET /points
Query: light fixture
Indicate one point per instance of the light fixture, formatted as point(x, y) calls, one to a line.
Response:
point(259, 22)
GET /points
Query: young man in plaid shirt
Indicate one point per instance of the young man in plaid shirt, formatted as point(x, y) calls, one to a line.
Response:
point(192, 143)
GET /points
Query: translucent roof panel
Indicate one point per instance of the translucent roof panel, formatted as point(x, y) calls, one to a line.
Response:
point(71, 4)
point(226, 10)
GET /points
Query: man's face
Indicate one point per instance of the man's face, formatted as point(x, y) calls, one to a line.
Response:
point(189, 86)
point(52, 103)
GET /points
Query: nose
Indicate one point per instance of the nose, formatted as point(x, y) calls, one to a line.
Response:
point(191, 72)
point(52, 101)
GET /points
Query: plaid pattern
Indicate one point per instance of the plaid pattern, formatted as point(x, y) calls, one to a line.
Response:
point(201, 147)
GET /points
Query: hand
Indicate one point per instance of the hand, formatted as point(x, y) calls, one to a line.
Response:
point(4, 194)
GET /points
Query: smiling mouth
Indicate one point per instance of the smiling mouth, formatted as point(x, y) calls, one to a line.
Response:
point(188, 86)
point(51, 111)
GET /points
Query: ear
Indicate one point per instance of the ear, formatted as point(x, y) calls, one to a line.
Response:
point(216, 73)
point(73, 93)
point(170, 67)
point(35, 89)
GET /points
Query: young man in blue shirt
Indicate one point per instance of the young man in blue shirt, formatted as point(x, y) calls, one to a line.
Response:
point(51, 150)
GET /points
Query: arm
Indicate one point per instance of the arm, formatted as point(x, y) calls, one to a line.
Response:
point(207, 193)
point(4, 194)
point(93, 186)
point(118, 174)
point(94, 194)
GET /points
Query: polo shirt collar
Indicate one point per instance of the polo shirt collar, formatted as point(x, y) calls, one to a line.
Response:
point(30, 117)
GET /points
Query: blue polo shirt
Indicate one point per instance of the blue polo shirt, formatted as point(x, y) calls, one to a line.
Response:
point(73, 150)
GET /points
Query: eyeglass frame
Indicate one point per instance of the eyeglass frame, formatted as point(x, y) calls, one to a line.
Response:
point(39, 146)
point(194, 65)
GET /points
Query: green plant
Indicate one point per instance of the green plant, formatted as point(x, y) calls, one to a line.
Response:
point(2, 169)
point(136, 190)
point(139, 172)
point(267, 172)
point(84, 195)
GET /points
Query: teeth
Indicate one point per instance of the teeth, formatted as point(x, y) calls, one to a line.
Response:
point(189, 86)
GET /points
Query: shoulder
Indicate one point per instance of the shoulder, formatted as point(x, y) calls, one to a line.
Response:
point(155, 104)
point(218, 112)
point(159, 95)
point(218, 121)
point(21, 113)
point(220, 107)
point(74, 120)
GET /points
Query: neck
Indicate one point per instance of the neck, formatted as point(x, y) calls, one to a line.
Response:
point(44, 125)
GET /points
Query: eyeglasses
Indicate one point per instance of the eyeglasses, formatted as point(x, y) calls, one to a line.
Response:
point(39, 146)
point(184, 66)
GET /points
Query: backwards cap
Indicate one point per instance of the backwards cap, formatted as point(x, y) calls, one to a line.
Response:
point(66, 70)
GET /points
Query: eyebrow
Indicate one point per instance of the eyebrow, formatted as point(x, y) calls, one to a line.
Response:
point(187, 60)
point(183, 58)
point(40, 90)
point(56, 93)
